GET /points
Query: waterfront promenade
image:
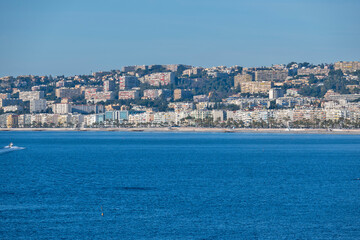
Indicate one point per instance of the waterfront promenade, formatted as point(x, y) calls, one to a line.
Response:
point(197, 129)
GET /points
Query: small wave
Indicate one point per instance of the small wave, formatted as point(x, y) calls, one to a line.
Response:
point(20, 207)
point(3, 151)
point(32, 207)
point(7, 150)
point(136, 188)
point(6, 193)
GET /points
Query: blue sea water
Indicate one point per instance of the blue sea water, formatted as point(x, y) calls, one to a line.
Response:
point(116, 185)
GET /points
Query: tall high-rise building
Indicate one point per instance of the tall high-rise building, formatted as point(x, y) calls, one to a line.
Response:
point(275, 93)
point(109, 85)
point(128, 82)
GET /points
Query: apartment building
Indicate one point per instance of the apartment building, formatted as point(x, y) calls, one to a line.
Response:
point(128, 82)
point(129, 94)
point(61, 108)
point(31, 95)
point(271, 75)
point(12, 108)
point(182, 93)
point(67, 92)
point(160, 79)
point(275, 93)
point(314, 71)
point(242, 78)
point(200, 98)
point(181, 106)
point(95, 97)
point(37, 105)
point(155, 93)
point(347, 66)
point(109, 85)
point(192, 71)
point(86, 109)
point(256, 87)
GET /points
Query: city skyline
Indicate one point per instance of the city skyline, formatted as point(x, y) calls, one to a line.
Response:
point(73, 38)
point(120, 68)
point(179, 119)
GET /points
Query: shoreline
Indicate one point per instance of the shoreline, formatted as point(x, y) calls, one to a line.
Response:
point(190, 129)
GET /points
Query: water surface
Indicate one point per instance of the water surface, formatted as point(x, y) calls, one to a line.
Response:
point(179, 186)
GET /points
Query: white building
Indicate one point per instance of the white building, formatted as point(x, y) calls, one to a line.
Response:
point(218, 115)
point(31, 95)
point(12, 108)
point(61, 108)
point(275, 93)
point(158, 79)
point(37, 105)
point(89, 120)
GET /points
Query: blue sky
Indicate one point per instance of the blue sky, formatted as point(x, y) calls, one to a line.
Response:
point(80, 36)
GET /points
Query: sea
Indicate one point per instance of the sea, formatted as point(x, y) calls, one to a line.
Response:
point(176, 185)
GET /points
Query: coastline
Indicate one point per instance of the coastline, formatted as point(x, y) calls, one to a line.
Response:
point(191, 129)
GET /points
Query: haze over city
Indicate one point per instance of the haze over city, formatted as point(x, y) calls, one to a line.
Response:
point(80, 37)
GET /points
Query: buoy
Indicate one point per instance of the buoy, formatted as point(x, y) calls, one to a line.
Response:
point(102, 212)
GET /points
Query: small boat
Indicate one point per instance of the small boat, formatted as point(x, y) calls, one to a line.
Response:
point(10, 148)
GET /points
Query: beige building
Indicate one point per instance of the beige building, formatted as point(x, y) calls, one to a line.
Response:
point(155, 93)
point(67, 92)
point(94, 96)
point(315, 71)
point(129, 94)
point(12, 121)
point(160, 79)
point(271, 75)
point(192, 71)
point(182, 93)
point(256, 87)
point(242, 78)
point(31, 95)
point(347, 66)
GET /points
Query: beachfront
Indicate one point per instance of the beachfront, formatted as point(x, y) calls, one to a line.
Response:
point(196, 129)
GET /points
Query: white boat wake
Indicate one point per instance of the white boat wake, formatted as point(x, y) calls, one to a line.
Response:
point(10, 148)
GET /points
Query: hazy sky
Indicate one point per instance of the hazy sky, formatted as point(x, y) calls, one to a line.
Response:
point(80, 36)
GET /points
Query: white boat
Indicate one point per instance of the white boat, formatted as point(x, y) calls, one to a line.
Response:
point(10, 148)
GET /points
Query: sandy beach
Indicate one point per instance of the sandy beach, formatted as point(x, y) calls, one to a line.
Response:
point(194, 129)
